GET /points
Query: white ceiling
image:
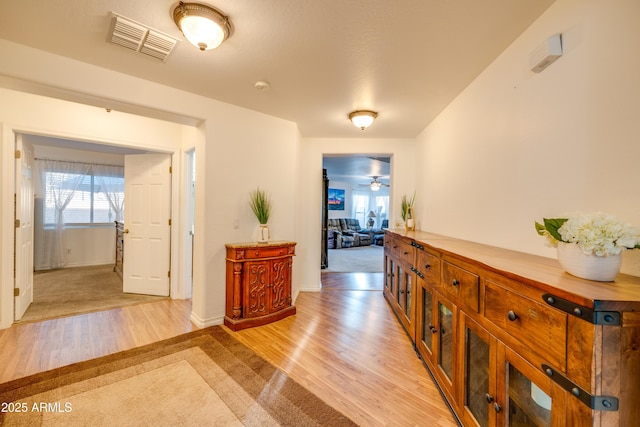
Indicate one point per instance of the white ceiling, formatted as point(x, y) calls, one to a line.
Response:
point(406, 59)
point(357, 169)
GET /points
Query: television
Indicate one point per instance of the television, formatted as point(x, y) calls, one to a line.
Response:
point(336, 199)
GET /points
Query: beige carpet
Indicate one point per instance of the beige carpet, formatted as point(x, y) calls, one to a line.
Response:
point(205, 377)
point(70, 291)
point(360, 259)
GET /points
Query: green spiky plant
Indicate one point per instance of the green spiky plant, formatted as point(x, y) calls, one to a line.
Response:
point(260, 203)
point(406, 204)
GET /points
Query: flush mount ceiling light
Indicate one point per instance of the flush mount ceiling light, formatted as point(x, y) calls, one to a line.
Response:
point(204, 27)
point(362, 118)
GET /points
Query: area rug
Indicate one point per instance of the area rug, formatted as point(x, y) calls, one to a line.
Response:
point(359, 259)
point(205, 377)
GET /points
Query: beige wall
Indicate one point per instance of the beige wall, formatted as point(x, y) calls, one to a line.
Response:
point(518, 146)
point(236, 150)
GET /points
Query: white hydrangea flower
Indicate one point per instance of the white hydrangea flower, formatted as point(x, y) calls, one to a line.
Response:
point(598, 233)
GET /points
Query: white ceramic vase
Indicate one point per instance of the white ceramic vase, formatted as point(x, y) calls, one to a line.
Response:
point(264, 233)
point(591, 267)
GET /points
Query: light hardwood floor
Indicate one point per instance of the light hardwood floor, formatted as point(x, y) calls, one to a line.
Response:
point(344, 344)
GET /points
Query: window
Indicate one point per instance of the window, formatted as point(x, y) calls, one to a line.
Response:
point(382, 210)
point(88, 201)
point(360, 207)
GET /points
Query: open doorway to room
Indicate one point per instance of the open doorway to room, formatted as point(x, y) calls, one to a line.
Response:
point(78, 191)
point(357, 212)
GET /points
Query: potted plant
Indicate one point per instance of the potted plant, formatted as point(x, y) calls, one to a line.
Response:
point(261, 205)
point(589, 245)
point(406, 210)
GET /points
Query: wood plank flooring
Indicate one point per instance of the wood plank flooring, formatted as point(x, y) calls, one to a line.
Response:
point(344, 344)
point(36, 347)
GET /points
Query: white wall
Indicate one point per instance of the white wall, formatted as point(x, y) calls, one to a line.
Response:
point(518, 146)
point(236, 150)
point(310, 160)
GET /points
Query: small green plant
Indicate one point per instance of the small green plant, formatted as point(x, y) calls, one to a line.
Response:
point(406, 204)
point(260, 205)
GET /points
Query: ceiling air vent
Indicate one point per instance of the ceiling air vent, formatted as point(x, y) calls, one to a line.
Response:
point(135, 36)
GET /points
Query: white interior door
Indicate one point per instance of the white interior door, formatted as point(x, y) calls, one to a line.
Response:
point(24, 229)
point(147, 198)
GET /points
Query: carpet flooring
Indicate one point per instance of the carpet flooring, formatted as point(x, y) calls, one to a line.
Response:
point(205, 377)
point(359, 259)
point(71, 291)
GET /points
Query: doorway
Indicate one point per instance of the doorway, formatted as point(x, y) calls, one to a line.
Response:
point(90, 243)
point(357, 204)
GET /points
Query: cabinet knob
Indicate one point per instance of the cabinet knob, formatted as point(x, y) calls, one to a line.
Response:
point(497, 407)
point(489, 398)
point(433, 329)
point(427, 266)
point(455, 282)
point(511, 315)
point(406, 253)
point(257, 253)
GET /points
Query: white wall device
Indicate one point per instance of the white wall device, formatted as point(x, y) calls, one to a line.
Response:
point(545, 54)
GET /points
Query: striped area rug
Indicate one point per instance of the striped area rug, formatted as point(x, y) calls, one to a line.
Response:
point(205, 377)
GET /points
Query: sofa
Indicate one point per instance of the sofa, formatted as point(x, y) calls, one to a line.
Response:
point(347, 233)
point(378, 233)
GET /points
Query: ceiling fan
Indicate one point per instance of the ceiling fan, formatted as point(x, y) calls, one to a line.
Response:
point(375, 185)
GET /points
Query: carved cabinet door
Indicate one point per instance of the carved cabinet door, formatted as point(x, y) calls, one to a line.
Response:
point(279, 297)
point(256, 287)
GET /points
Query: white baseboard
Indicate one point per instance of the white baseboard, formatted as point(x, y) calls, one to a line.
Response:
point(205, 323)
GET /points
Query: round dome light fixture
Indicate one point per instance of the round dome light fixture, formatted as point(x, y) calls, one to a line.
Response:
point(202, 25)
point(362, 118)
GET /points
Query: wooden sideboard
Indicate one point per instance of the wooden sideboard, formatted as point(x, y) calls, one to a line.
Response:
point(258, 283)
point(511, 339)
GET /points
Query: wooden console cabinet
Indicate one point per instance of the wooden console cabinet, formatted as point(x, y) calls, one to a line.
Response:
point(258, 283)
point(511, 339)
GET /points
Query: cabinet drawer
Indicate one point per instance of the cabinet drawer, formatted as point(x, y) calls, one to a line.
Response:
point(405, 251)
point(429, 266)
point(539, 327)
point(462, 285)
point(389, 242)
point(259, 252)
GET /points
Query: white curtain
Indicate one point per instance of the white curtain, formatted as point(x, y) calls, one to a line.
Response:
point(382, 210)
point(60, 181)
point(110, 179)
point(360, 206)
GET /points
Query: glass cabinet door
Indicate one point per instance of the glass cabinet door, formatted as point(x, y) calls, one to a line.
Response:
point(388, 270)
point(445, 349)
point(427, 328)
point(406, 299)
point(477, 396)
point(528, 404)
point(399, 284)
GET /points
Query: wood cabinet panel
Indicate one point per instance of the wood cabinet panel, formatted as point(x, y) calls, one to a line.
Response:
point(541, 328)
point(429, 265)
point(258, 283)
point(462, 285)
point(491, 319)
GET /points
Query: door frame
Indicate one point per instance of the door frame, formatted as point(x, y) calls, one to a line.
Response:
point(7, 163)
